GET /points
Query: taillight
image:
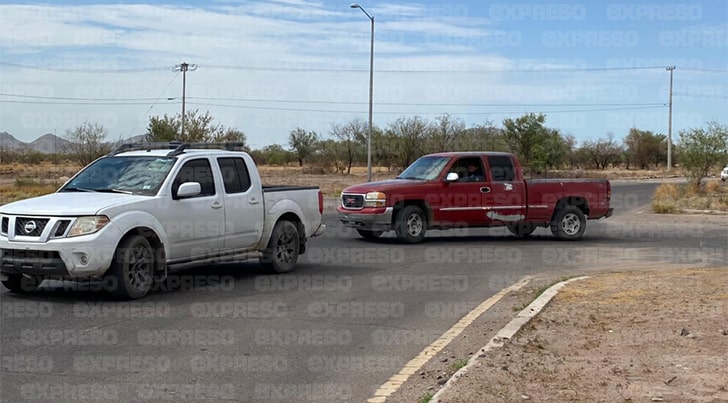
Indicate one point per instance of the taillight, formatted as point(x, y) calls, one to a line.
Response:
point(321, 202)
point(609, 191)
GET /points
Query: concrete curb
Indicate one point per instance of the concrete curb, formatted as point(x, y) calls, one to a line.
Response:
point(523, 317)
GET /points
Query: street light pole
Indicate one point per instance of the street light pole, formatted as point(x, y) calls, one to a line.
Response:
point(184, 67)
point(371, 91)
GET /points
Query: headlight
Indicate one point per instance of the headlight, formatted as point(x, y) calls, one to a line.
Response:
point(375, 199)
point(88, 225)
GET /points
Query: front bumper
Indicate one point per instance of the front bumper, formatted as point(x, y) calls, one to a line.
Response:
point(77, 257)
point(376, 220)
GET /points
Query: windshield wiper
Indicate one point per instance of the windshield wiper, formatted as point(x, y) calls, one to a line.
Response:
point(127, 192)
point(407, 177)
point(73, 189)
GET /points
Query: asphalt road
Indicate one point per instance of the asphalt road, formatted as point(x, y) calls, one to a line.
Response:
point(349, 318)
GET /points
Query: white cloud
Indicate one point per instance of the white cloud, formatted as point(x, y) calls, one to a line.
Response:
point(137, 44)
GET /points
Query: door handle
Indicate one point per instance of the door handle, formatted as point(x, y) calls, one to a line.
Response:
point(253, 200)
point(485, 189)
point(216, 205)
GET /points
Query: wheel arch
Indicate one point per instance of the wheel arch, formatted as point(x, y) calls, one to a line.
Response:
point(160, 261)
point(296, 220)
point(422, 204)
point(577, 201)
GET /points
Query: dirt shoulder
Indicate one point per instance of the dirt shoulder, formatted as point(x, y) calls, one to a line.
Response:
point(633, 331)
point(631, 336)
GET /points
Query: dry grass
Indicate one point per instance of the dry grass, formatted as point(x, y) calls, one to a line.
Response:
point(674, 198)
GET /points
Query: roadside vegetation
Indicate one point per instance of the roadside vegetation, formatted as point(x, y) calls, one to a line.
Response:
point(338, 159)
point(670, 198)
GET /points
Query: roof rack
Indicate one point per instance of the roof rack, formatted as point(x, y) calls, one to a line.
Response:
point(177, 147)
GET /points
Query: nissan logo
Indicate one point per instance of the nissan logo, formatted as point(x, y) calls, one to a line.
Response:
point(30, 226)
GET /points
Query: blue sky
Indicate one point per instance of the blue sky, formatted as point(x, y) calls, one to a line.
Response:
point(266, 67)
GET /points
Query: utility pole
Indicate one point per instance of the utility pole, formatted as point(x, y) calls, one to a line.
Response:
point(184, 68)
point(669, 124)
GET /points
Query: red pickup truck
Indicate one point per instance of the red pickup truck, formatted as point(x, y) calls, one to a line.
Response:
point(472, 189)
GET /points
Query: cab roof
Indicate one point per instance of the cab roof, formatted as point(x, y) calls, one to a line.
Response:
point(469, 154)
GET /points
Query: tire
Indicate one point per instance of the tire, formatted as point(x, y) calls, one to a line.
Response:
point(132, 268)
point(369, 235)
point(521, 229)
point(21, 284)
point(410, 224)
point(569, 223)
point(281, 254)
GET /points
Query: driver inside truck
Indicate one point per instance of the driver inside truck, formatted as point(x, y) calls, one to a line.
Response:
point(474, 173)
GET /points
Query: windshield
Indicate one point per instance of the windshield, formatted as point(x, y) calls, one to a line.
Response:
point(425, 168)
point(133, 175)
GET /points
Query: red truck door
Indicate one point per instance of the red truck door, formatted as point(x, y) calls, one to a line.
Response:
point(505, 198)
point(461, 202)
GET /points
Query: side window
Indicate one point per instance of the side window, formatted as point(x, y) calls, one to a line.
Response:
point(198, 170)
point(469, 169)
point(501, 168)
point(235, 175)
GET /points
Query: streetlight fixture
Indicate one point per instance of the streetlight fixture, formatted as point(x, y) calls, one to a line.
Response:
point(184, 68)
point(371, 92)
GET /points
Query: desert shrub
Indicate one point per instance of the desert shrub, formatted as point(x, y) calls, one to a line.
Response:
point(713, 187)
point(665, 198)
point(664, 207)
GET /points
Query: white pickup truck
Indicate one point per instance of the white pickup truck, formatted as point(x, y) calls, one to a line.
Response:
point(145, 209)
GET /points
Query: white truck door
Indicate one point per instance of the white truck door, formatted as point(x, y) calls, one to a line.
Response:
point(244, 211)
point(195, 225)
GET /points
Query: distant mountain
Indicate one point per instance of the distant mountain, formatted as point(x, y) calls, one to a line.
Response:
point(8, 142)
point(50, 143)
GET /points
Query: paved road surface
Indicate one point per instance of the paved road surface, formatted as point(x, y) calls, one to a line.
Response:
point(351, 315)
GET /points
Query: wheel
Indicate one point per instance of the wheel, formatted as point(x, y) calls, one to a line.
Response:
point(282, 252)
point(21, 284)
point(410, 224)
point(368, 234)
point(569, 223)
point(132, 268)
point(521, 229)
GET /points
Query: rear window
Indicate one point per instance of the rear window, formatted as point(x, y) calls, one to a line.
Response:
point(501, 168)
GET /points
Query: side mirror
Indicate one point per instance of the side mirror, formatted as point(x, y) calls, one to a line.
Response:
point(189, 189)
point(452, 177)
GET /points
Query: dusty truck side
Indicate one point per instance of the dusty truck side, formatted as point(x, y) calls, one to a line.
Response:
point(146, 209)
point(438, 191)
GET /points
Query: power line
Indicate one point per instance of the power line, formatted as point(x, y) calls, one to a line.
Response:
point(155, 102)
point(411, 113)
point(338, 102)
point(79, 70)
point(352, 70)
point(687, 94)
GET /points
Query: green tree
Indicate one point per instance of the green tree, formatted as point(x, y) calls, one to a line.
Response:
point(537, 146)
point(303, 143)
point(162, 129)
point(231, 135)
point(702, 148)
point(199, 128)
point(644, 148)
point(524, 136)
point(86, 143)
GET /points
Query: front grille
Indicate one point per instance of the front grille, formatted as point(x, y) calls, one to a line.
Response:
point(61, 228)
point(30, 226)
point(350, 201)
point(4, 226)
